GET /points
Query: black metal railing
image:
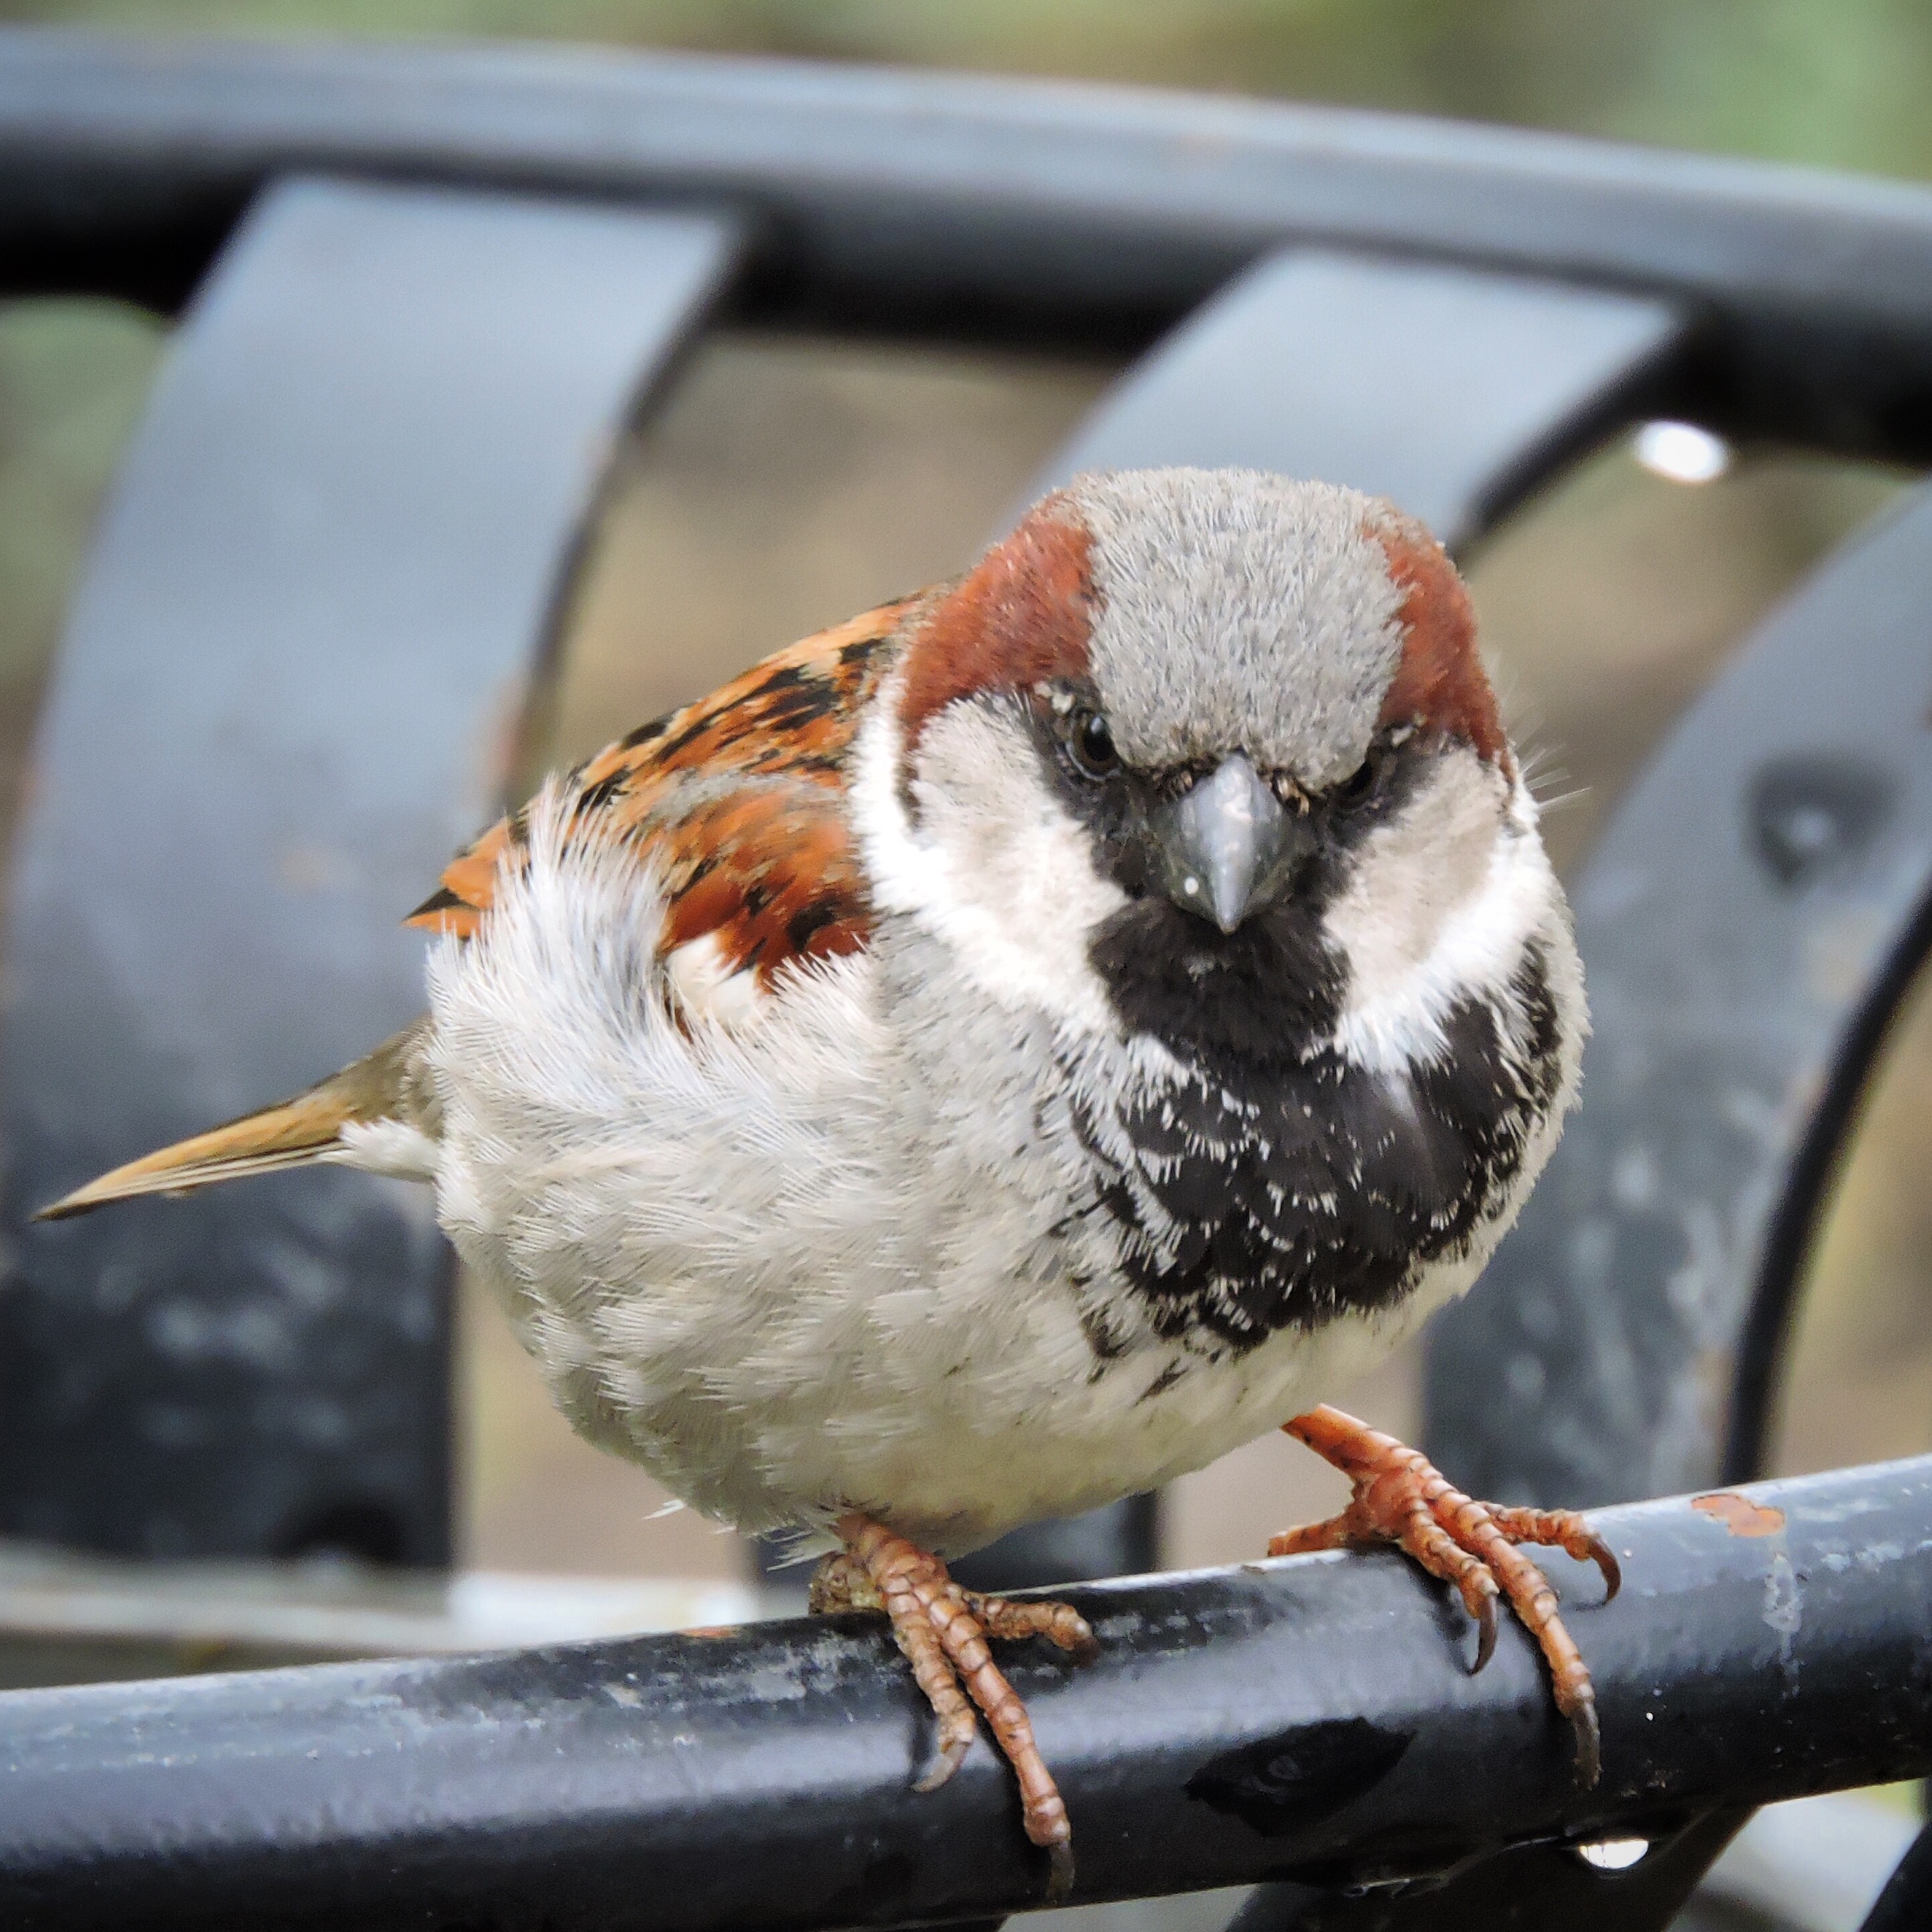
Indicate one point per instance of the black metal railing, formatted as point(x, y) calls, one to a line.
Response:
point(1309, 1723)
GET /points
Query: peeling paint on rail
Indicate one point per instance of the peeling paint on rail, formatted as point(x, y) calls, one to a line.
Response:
point(1739, 1514)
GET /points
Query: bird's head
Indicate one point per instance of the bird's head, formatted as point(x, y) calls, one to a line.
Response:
point(1212, 753)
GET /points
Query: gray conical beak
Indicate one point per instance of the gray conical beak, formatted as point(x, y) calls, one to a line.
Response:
point(1226, 847)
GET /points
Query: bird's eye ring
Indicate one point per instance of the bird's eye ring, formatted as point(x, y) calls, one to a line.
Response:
point(1091, 744)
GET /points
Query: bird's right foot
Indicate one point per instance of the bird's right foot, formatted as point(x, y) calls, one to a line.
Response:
point(943, 1631)
point(1402, 1498)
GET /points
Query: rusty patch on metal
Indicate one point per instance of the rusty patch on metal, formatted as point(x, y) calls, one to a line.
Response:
point(1739, 1514)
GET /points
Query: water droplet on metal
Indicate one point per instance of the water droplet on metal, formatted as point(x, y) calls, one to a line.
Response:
point(1612, 1854)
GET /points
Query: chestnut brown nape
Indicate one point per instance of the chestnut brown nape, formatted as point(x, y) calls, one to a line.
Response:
point(1440, 684)
point(1019, 617)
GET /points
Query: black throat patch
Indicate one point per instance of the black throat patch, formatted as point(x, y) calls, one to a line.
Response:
point(1264, 1189)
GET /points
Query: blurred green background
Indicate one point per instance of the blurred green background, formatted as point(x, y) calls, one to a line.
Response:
point(1841, 82)
point(789, 482)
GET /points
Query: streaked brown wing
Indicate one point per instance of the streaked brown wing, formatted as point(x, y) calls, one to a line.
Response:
point(737, 800)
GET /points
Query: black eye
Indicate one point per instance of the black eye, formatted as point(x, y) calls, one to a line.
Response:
point(1091, 745)
point(1357, 785)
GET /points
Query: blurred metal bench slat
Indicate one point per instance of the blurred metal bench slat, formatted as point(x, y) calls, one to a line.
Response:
point(960, 203)
point(1448, 391)
point(1750, 919)
point(292, 682)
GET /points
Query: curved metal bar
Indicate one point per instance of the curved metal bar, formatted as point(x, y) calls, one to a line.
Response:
point(1748, 922)
point(977, 207)
point(1452, 393)
point(288, 689)
point(1310, 1719)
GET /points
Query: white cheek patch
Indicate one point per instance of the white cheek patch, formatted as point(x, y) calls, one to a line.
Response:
point(996, 868)
point(1440, 906)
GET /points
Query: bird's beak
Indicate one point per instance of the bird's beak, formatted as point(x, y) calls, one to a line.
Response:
point(1228, 846)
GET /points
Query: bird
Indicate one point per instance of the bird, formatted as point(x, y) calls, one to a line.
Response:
point(1004, 1052)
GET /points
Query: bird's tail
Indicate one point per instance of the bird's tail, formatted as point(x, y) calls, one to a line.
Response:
point(379, 1112)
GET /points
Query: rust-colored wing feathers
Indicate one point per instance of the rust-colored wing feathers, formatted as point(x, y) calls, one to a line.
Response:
point(462, 894)
point(757, 856)
point(770, 874)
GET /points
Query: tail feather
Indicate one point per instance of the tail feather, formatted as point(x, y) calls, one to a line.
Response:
point(387, 1090)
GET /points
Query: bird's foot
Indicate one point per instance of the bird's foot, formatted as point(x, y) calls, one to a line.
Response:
point(1402, 1498)
point(943, 1629)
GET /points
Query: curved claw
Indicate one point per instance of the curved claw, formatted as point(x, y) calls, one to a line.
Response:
point(1589, 1743)
point(1485, 1634)
point(1060, 1875)
point(951, 1757)
point(1401, 1497)
point(1605, 1558)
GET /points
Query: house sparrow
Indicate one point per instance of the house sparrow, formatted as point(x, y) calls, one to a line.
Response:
point(1005, 1052)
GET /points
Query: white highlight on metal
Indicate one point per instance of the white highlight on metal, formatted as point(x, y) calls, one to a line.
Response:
point(1681, 452)
point(1613, 1854)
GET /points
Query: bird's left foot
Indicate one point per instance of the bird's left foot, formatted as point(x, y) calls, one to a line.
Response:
point(943, 1631)
point(1402, 1498)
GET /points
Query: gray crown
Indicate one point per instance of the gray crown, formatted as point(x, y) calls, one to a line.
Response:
point(1240, 611)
